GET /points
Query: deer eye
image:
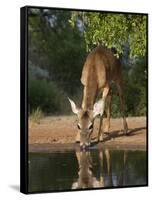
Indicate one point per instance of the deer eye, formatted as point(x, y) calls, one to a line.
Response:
point(78, 125)
point(91, 126)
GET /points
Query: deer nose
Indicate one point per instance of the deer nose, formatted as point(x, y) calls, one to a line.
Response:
point(84, 146)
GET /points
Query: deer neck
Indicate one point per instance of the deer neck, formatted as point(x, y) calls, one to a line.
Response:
point(89, 94)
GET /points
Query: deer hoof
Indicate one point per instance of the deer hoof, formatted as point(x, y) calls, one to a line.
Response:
point(106, 129)
point(126, 132)
point(100, 139)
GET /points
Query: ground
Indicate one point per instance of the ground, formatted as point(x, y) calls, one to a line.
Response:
point(59, 132)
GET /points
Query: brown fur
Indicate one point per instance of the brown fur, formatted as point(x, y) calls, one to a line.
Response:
point(100, 69)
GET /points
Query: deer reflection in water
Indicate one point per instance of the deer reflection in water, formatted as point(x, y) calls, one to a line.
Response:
point(87, 178)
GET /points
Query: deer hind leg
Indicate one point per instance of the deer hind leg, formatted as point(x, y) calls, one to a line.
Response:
point(104, 96)
point(108, 113)
point(119, 87)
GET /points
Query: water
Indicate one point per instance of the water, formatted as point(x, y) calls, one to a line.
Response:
point(92, 169)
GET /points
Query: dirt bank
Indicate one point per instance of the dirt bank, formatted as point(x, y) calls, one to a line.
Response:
point(53, 131)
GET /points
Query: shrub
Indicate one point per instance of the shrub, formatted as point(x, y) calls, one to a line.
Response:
point(47, 96)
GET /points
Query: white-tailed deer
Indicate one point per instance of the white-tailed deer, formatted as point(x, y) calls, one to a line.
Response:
point(101, 68)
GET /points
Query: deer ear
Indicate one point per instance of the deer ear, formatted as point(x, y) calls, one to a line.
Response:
point(98, 108)
point(74, 108)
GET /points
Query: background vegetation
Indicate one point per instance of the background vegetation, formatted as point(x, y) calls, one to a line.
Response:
point(59, 42)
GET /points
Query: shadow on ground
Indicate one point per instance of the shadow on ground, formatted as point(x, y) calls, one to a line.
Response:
point(117, 134)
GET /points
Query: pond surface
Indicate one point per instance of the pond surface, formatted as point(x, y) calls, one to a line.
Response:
point(91, 169)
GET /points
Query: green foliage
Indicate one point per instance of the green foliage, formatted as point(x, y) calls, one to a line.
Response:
point(137, 79)
point(46, 96)
point(114, 30)
point(57, 52)
point(55, 46)
point(135, 93)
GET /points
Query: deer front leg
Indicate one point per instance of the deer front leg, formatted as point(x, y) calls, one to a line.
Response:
point(104, 96)
point(108, 113)
point(100, 132)
point(77, 139)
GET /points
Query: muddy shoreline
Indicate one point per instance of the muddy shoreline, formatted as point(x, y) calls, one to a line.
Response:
point(58, 134)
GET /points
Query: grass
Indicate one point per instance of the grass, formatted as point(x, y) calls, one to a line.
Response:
point(36, 115)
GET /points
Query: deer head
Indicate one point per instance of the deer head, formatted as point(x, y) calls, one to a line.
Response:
point(86, 120)
point(86, 179)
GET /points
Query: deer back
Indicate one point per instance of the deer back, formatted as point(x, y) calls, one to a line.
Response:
point(100, 68)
